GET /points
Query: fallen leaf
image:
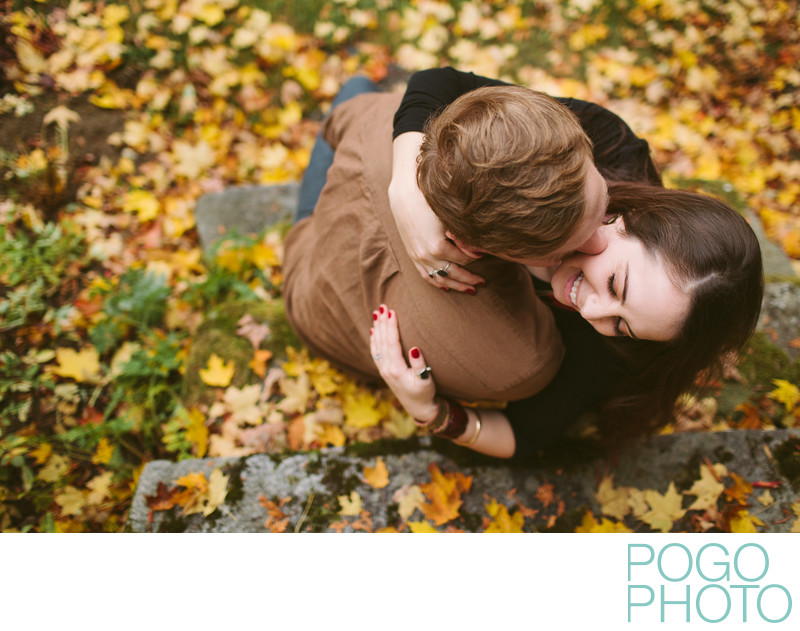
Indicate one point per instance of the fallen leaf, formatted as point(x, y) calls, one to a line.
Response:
point(501, 520)
point(423, 527)
point(259, 362)
point(104, 451)
point(613, 502)
point(744, 522)
point(707, 489)
point(664, 509)
point(377, 477)
point(277, 520)
point(409, 499)
point(590, 524)
point(217, 372)
point(71, 500)
point(444, 494)
point(545, 494)
point(81, 365)
point(351, 505)
point(252, 331)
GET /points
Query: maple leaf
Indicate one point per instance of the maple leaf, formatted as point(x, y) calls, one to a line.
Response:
point(708, 488)
point(41, 453)
point(71, 500)
point(104, 451)
point(590, 524)
point(217, 372)
point(501, 520)
point(164, 499)
point(740, 490)
point(252, 331)
point(409, 499)
point(545, 494)
point(192, 160)
point(259, 362)
point(55, 468)
point(243, 404)
point(796, 525)
point(99, 487)
point(351, 505)
point(444, 494)
point(664, 509)
point(744, 522)
point(766, 499)
point(62, 116)
point(377, 477)
point(613, 502)
point(277, 520)
point(82, 366)
point(786, 393)
point(360, 410)
point(144, 203)
point(422, 527)
point(201, 495)
point(297, 393)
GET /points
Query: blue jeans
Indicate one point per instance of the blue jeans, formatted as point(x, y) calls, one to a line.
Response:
point(321, 159)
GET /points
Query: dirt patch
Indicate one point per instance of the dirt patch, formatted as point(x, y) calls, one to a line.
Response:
point(88, 137)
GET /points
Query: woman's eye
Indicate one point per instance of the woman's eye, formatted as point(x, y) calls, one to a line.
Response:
point(611, 285)
point(618, 328)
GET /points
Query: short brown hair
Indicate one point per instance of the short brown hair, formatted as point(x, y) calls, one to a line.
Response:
point(504, 168)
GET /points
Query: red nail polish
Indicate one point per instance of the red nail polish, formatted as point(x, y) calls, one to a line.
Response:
point(481, 284)
point(381, 308)
point(445, 289)
point(371, 331)
point(471, 291)
point(374, 316)
point(390, 315)
point(415, 353)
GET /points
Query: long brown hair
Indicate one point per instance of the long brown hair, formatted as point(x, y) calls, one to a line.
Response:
point(709, 249)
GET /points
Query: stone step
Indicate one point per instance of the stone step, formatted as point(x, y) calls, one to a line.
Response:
point(306, 487)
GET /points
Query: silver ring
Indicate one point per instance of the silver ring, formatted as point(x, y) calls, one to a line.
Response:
point(442, 271)
point(376, 357)
point(424, 373)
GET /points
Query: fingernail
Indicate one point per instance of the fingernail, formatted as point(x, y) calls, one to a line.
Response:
point(381, 308)
point(371, 331)
point(390, 314)
point(374, 316)
point(481, 284)
point(445, 289)
point(471, 291)
point(415, 353)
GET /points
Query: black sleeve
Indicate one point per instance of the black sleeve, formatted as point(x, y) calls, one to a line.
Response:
point(431, 90)
point(619, 154)
point(590, 371)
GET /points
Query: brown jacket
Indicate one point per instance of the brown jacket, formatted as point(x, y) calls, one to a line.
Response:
point(347, 258)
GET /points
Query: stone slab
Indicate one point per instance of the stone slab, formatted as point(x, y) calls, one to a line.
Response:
point(311, 482)
point(246, 209)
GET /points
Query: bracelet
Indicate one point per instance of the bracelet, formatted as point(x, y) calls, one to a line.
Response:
point(439, 420)
point(456, 423)
point(477, 433)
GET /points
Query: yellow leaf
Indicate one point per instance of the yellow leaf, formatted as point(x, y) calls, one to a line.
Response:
point(377, 477)
point(197, 432)
point(796, 526)
point(115, 14)
point(71, 501)
point(421, 527)
point(42, 453)
point(707, 489)
point(664, 509)
point(103, 453)
point(744, 522)
point(409, 499)
point(360, 410)
point(590, 524)
point(297, 393)
point(766, 499)
point(99, 486)
point(201, 495)
point(351, 506)
point(501, 520)
point(613, 502)
point(29, 58)
point(331, 435)
point(142, 202)
point(786, 393)
point(217, 372)
point(193, 160)
point(55, 468)
point(81, 366)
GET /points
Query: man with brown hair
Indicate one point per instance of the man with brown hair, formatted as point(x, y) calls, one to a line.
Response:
point(509, 171)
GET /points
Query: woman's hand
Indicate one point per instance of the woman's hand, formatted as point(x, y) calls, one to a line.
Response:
point(413, 386)
point(420, 230)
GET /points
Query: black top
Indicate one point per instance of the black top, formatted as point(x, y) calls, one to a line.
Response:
point(590, 369)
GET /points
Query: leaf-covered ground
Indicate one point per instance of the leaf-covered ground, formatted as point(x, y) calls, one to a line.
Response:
point(121, 343)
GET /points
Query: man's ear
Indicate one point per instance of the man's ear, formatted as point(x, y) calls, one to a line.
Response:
point(474, 253)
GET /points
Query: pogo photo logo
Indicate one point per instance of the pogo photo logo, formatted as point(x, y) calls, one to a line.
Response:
point(671, 584)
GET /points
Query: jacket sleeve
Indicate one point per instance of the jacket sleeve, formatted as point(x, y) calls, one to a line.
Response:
point(429, 91)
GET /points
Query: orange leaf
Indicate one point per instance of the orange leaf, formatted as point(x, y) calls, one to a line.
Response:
point(377, 477)
point(259, 362)
point(294, 434)
point(444, 494)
